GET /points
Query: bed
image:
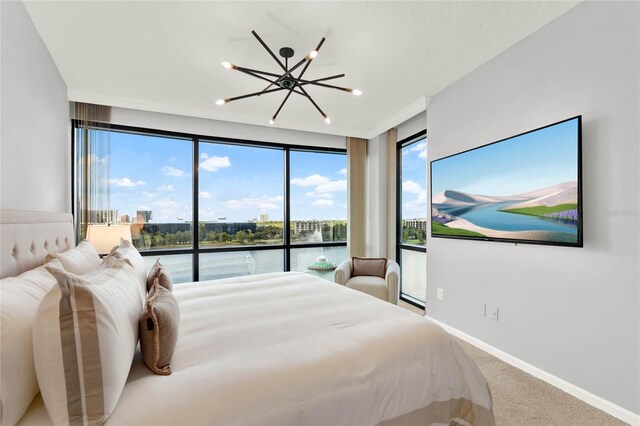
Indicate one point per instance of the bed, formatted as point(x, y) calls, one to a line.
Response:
point(293, 349)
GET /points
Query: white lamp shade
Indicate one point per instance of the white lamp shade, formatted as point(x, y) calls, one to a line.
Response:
point(104, 237)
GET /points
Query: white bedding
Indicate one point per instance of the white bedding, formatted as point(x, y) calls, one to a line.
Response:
point(293, 349)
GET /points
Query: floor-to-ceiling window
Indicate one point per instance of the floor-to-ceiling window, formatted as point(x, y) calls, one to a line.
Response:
point(318, 206)
point(411, 215)
point(259, 207)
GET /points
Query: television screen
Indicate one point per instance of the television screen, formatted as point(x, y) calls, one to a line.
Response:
point(523, 189)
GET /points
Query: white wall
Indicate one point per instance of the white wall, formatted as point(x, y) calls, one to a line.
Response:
point(377, 200)
point(224, 129)
point(573, 312)
point(35, 149)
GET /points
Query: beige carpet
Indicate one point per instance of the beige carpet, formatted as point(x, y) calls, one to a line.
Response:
point(520, 399)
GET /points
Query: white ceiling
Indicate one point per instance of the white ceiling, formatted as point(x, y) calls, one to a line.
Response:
point(165, 56)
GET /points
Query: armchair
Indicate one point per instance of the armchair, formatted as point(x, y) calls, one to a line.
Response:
point(383, 288)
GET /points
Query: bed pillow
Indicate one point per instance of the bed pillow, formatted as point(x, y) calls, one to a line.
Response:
point(369, 266)
point(84, 338)
point(159, 272)
point(159, 329)
point(80, 260)
point(127, 250)
point(20, 298)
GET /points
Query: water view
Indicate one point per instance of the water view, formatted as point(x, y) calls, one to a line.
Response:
point(215, 266)
point(496, 216)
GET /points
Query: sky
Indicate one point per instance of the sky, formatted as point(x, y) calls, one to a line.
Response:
point(235, 182)
point(414, 180)
point(518, 165)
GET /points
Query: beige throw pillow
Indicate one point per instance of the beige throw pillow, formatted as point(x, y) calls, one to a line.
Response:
point(159, 324)
point(369, 266)
point(20, 297)
point(127, 250)
point(158, 271)
point(80, 260)
point(84, 338)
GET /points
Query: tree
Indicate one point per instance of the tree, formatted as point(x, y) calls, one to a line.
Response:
point(241, 236)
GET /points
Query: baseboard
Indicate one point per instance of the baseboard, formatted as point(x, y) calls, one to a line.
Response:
point(583, 395)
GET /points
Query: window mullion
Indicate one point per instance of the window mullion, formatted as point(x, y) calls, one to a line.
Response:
point(286, 226)
point(195, 225)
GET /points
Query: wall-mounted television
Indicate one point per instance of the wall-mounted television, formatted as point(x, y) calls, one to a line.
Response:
point(523, 189)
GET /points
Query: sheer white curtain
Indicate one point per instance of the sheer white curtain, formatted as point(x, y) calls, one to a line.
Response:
point(92, 156)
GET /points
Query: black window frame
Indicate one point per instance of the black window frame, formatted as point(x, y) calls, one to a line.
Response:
point(415, 138)
point(195, 250)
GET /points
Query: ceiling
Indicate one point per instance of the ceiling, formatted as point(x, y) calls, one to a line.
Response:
point(165, 56)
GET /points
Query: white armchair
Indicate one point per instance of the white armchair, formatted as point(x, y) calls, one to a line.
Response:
point(383, 288)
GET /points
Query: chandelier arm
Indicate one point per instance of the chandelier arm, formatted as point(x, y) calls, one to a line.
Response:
point(312, 101)
point(236, 98)
point(282, 104)
point(303, 60)
point(270, 74)
point(257, 76)
point(326, 78)
point(265, 89)
point(330, 86)
point(269, 50)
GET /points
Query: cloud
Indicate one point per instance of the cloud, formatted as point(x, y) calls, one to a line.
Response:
point(205, 194)
point(166, 188)
point(314, 194)
point(213, 164)
point(420, 147)
point(264, 202)
point(418, 206)
point(342, 172)
point(172, 171)
point(204, 156)
point(312, 180)
point(332, 186)
point(126, 182)
point(411, 187)
point(165, 202)
point(322, 202)
point(149, 194)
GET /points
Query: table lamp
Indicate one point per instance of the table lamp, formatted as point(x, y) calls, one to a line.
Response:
point(104, 237)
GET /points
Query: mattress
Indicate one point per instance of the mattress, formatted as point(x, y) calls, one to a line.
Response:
point(293, 349)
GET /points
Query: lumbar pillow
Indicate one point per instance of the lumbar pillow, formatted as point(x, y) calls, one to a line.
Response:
point(128, 252)
point(20, 297)
point(80, 260)
point(370, 266)
point(159, 329)
point(84, 339)
point(158, 271)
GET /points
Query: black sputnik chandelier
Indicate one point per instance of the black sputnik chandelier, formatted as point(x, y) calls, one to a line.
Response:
point(287, 80)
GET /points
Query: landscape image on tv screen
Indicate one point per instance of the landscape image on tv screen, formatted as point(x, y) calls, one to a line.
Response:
point(522, 189)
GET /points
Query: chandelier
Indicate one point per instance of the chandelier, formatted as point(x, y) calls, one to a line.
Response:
point(286, 80)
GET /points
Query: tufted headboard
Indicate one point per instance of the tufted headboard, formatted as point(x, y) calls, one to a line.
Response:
point(27, 236)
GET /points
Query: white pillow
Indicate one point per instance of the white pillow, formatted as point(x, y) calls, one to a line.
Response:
point(20, 298)
point(84, 339)
point(128, 252)
point(80, 260)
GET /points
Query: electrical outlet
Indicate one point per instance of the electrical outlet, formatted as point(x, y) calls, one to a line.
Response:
point(440, 294)
point(493, 312)
point(483, 310)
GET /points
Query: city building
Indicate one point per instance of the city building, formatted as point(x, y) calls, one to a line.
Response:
point(103, 216)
